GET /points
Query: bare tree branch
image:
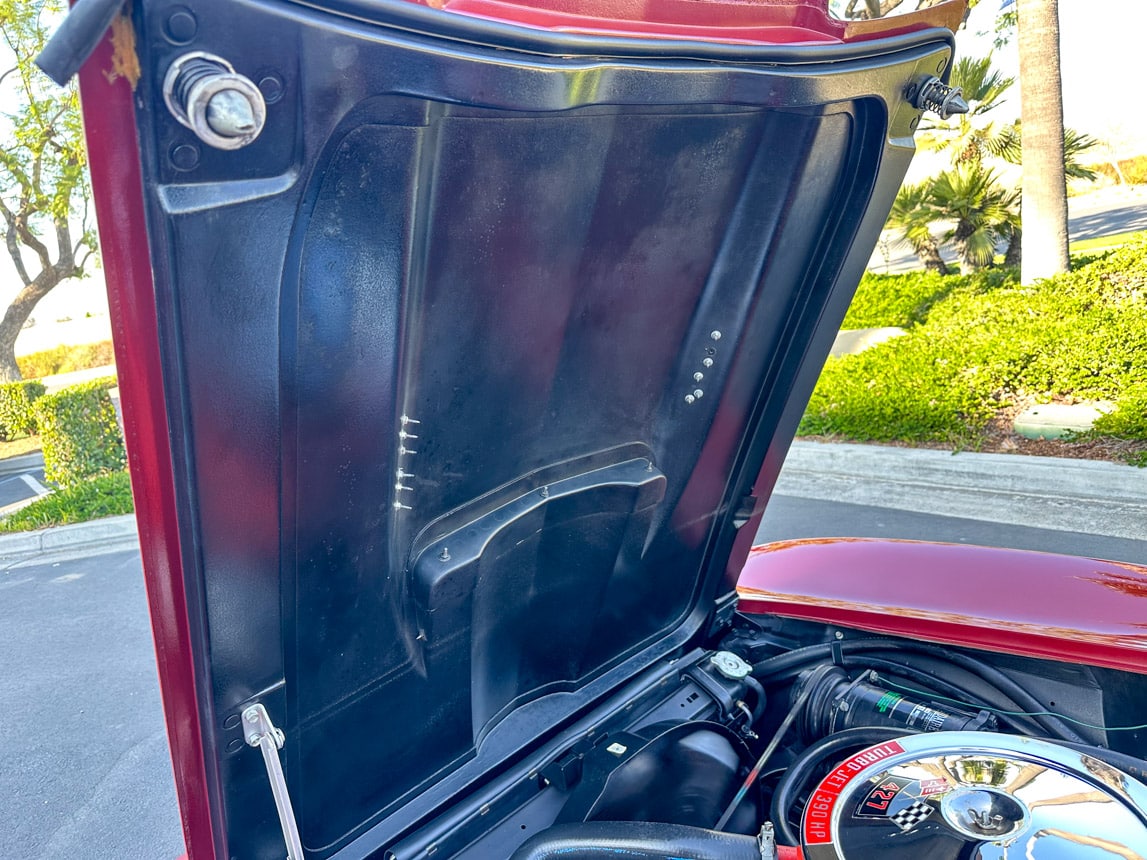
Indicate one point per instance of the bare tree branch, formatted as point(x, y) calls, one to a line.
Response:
point(13, 245)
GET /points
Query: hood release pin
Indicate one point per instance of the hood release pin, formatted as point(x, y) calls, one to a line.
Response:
point(206, 94)
point(932, 94)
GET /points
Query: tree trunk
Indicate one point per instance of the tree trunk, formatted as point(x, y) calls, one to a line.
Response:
point(14, 318)
point(1013, 259)
point(929, 254)
point(1044, 206)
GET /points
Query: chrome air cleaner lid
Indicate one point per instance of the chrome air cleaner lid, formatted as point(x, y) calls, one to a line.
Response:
point(979, 795)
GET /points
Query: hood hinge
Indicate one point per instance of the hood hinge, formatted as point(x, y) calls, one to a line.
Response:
point(260, 732)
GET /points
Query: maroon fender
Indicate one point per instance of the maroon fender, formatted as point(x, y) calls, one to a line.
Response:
point(1030, 603)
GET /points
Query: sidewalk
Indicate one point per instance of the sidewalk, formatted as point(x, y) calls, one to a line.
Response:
point(1042, 492)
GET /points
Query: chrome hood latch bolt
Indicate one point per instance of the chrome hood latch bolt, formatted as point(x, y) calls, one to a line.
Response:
point(223, 108)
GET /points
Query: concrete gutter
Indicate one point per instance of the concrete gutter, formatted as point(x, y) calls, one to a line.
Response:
point(110, 534)
point(1041, 492)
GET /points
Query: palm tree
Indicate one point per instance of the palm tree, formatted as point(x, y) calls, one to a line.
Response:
point(1044, 183)
point(972, 136)
point(912, 216)
point(1075, 144)
point(983, 213)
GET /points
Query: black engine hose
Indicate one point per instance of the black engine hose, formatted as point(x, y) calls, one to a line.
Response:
point(758, 691)
point(805, 765)
point(639, 840)
point(930, 683)
point(993, 676)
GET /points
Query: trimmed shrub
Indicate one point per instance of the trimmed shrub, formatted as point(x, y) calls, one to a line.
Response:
point(79, 432)
point(17, 417)
point(1128, 421)
point(1134, 169)
point(103, 496)
point(1081, 335)
point(65, 359)
point(905, 300)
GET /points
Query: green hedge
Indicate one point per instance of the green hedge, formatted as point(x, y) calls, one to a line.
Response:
point(1134, 170)
point(79, 432)
point(986, 343)
point(17, 417)
point(905, 300)
point(65, 359)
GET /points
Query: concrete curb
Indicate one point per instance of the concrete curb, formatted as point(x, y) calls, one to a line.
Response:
point(91, 538)
point(1041, 492)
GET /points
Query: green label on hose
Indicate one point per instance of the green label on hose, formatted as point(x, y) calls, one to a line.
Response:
point(887, 702)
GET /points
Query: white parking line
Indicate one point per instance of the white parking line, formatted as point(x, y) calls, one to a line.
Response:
point(37, 488)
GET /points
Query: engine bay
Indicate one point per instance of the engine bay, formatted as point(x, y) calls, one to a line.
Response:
point(796, 739)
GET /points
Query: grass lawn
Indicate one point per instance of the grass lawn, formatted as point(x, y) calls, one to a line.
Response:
point(1106, 243)
point(102, 496)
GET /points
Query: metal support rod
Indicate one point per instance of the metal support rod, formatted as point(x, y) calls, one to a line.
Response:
point(261, 732)
point(763, 760)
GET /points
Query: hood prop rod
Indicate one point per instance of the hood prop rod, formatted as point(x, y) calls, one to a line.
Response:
point(261, 732)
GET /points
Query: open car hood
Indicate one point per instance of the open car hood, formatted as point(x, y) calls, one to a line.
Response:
point(454, 398)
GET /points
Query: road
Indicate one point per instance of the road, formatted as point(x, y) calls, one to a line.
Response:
point(20, 486)
point(1102, 213)
point(85, 769)
point(85, 765)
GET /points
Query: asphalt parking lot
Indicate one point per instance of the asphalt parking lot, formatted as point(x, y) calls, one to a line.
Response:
point(20, 487)
point(85, 769)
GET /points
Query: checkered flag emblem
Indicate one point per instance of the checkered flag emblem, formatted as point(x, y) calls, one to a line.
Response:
point(912, 815)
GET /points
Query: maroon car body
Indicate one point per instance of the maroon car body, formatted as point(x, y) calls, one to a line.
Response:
point(788, 132)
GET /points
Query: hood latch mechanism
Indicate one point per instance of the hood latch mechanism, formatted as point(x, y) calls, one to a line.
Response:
point(932, 94)
point(260, 732)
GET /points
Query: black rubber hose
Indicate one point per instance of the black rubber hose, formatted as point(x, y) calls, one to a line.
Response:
point(759, 692)
point(641, 840)
point(941, 687)
point(804, 766)
point(1027, 702)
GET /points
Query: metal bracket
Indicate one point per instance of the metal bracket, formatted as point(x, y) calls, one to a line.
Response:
point(260, 732)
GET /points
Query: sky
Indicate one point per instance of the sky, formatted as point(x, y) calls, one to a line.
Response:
point(1101, 41)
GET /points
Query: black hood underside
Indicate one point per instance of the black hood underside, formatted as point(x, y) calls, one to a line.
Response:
point(476, 362)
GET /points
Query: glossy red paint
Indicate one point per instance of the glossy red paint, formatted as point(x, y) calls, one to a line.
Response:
point(1035, 604)
point(780, 22)
point(109, 125)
